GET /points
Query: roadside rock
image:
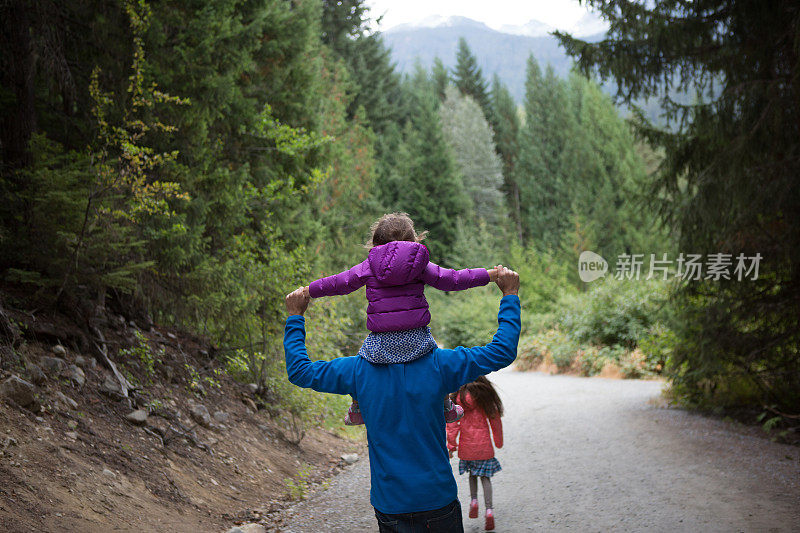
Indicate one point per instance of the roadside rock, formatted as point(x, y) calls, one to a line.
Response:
point(76, 375)
point(138, 417)
point(71, 435)
point(52, 366)
point(221, 416)
point(350, 458)
point(66, 400)
point(200, 414)
point(87, 363)
point(36, 374)
point(110, 385)
point(59, 350)
point(19, 391)
point(248, 528)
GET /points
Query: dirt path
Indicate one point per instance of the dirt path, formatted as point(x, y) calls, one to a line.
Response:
point(597, 455)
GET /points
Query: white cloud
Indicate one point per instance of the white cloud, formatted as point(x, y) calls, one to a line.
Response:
point(561, 14)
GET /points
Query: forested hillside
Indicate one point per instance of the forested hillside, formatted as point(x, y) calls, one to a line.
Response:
point(189, 163)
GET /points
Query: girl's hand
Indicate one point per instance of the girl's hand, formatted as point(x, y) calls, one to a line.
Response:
point(306, 292)
point(492, 274)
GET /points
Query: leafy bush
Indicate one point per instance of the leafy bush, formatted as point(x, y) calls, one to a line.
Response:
point(530, 353)
point(635, 364)
point(298, 486)
point(658, 346)
point(563, 348)
point(614, 322)
point(551, 346)
point(592, 359)
point(613, 312)
point(143, 353)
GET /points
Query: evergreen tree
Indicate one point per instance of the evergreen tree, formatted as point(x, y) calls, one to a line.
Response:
point(343, 205)
point(375, 84)
point(468, 77)
point(542, 171)
point(506, 126)
point(441, 79)
point(342, 23)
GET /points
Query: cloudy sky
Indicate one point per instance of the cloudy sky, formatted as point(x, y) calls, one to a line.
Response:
point(561, 14)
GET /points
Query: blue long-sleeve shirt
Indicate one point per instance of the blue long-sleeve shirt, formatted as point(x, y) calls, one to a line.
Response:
point(402, 408)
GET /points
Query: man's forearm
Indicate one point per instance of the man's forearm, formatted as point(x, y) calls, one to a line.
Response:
point(322, 376)
point(294, 347)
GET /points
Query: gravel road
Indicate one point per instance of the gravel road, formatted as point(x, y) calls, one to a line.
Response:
point(597, 455)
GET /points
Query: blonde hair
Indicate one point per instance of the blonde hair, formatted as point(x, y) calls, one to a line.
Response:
point(393, 227)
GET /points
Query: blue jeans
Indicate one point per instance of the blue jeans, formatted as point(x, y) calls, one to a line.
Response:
point(444, 520)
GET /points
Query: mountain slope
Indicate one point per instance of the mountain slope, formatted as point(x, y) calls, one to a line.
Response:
point(502, 53)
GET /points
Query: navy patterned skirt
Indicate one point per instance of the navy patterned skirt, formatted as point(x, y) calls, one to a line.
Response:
point(485, 467)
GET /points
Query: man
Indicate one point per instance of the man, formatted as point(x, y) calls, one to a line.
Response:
point(413, 488)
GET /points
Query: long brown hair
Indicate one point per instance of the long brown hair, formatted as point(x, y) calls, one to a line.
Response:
point(484, 395)
point(393, 227)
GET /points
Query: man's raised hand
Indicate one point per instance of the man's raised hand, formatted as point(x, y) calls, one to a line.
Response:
point(507, 280)
point(297, 301)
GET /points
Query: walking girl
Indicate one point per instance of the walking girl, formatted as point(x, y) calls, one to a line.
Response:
point(472, 439)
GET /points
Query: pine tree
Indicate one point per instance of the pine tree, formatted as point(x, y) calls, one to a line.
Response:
point(506, 126)
point(542, 172)
point(468, 77)
point(441, 79)
point(376, 85)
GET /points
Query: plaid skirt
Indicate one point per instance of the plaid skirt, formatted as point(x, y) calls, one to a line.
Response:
point(485, 467)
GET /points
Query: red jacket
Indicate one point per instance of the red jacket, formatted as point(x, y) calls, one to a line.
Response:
point(475, 443)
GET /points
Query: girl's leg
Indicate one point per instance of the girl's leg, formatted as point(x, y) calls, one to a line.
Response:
point(473, 487)
point(473, 496)
point(487, 497)
point(486, 483)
